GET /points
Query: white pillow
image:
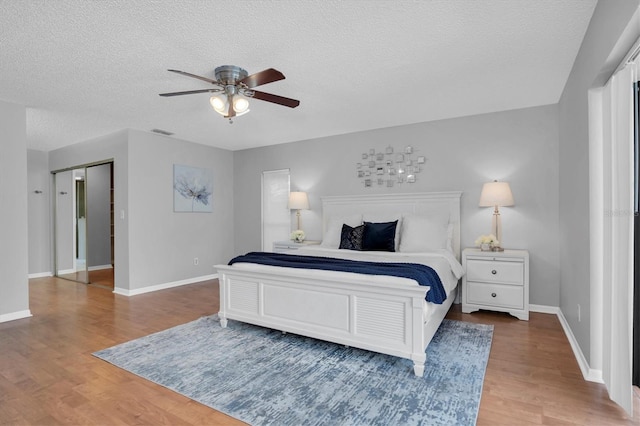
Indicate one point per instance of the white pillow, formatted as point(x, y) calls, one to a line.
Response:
point(450, 237)
point(422, 233)
point(382, 218)
point(333, 229)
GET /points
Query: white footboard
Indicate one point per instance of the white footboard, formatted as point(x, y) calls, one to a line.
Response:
point(373, 316)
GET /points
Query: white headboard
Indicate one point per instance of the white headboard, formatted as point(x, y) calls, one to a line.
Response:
point(415, 203)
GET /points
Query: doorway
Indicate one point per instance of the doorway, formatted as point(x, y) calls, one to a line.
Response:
point(84, 224)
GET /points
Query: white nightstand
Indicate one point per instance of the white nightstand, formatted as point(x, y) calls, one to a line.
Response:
point(288, 246)
point(497, 281)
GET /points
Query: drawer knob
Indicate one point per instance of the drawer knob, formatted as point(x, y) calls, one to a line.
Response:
point(493, 295)
point(494, 271)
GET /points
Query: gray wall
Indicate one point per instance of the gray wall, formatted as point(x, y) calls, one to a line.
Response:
point(14, 285)
point(519, 146)
point(98, 188)
point(609, 20)
point(39, 179)
point(163, 244)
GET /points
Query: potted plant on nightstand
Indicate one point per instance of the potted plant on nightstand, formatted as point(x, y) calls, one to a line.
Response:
point(487, 242)
point(297, 236)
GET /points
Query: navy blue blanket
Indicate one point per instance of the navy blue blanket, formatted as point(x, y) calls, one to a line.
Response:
point(423, 274)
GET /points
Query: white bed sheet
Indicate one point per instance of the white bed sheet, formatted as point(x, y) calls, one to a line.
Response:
point(442, 261)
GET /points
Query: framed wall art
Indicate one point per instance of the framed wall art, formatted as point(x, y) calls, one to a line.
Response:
point(192, 189)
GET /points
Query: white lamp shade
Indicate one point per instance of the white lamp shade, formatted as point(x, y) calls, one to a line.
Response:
point(298, 201)
point(221, 105)
point(496, 194)
point(240, 104)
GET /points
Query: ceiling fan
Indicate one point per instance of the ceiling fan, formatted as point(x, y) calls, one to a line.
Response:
point(235, 85)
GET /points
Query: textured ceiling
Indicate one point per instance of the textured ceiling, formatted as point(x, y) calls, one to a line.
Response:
point(89, 68)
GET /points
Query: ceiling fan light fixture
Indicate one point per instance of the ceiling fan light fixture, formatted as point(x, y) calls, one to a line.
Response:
point(219, 104)
point(240, 105)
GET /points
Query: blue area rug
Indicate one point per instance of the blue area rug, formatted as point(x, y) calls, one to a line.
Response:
point(264, 377)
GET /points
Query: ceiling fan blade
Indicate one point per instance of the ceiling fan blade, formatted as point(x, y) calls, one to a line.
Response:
point(263, 77)
point(190, 92)
point(208, 80)
point(281, 100)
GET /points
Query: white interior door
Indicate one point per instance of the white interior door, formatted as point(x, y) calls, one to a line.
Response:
point(276, 217)
point(615, 201)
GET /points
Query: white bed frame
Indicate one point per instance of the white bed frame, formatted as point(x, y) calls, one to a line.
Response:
point(355, 312)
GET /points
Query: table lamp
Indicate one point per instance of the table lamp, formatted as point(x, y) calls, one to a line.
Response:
point(496, 194)
point(298, 201)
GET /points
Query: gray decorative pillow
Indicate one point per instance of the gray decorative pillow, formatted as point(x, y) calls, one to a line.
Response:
point(351, 238)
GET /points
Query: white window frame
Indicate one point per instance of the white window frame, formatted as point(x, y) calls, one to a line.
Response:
point(282, 213)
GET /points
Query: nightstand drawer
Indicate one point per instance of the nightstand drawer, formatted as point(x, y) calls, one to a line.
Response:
point(283, 249)
point(507, 296)
point(290, 246)
point(493, 271)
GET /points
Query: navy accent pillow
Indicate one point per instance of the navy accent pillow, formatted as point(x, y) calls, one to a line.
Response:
point(379, 236)
point(351, 238)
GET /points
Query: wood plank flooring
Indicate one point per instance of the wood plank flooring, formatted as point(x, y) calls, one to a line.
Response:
point(99, 277)
point(48, 375)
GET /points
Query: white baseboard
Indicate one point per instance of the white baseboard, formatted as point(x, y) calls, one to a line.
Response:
point(544, 309)
point(66, 271)
point(41, 275)
point(588, 373)
point(15, 315)
point(99, 267)
point(149, 289)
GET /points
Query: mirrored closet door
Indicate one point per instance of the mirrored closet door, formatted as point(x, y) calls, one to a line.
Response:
point(71, 225)
point(84, 223)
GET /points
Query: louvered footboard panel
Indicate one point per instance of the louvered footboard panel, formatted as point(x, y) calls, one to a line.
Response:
point(382, 319)
point(243, 296)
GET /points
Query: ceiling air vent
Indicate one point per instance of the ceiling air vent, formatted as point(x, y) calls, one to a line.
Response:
point(162, 132)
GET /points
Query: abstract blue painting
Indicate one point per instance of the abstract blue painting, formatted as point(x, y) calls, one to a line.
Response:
point(192, 189)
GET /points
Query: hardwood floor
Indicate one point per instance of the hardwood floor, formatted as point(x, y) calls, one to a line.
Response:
point(48, 375)
point(102, 278)
point(533, 377)
point(99, 277)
